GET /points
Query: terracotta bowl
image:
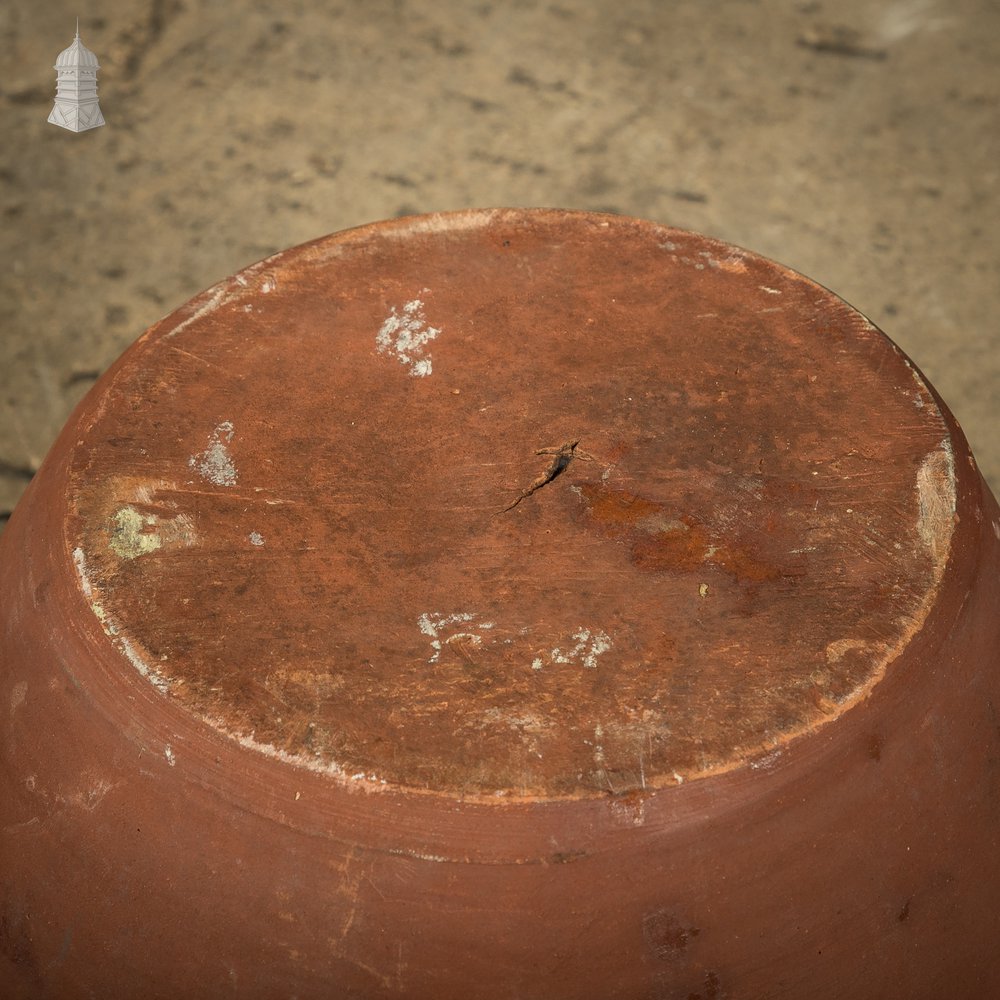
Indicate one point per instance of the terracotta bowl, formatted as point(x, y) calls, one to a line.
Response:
point(506, 604)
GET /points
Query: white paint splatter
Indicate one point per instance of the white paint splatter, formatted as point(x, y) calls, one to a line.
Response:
point(536, 663)
point(406, 335)
point(588, 647)
point(431, 624)
point(215, 464)
point(80, 561)
point(256, 538)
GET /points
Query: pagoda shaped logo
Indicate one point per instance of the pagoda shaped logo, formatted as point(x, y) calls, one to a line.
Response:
point(76, 106)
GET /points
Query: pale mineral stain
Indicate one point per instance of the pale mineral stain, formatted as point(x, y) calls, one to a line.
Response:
point(169, 754)
point(131, 534)
point(18, 695)
point(256, 538)
point(134, 534)
point(936, 500)
point(215, 464)
point(431, 624)
point(837, 650)
point(405, 334)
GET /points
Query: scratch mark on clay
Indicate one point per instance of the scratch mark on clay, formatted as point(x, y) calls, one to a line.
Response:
point(406, 335)
point(770, 291)
point(194, 357)
point(90, 798)
point(215, 464)
point(215, 299)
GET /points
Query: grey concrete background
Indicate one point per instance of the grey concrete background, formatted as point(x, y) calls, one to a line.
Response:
point(855, 141)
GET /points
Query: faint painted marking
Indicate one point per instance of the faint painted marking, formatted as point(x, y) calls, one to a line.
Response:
point(215, 298)
point(256, 538)
point(17, 696)
point(588, 647)
point(432, 624)
point(215, 464)
point(405, 334)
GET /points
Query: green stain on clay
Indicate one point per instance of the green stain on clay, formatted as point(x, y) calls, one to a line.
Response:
point(130, 537)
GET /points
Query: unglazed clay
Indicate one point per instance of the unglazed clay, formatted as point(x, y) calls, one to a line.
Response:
point(504, 604)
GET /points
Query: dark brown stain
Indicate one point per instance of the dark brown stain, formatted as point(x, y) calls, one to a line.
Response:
point(567, 857)
point(904, 913)
point(711, 989)
point(661, 538)
point(873, 746)
point(16, 940)
point(666, 936)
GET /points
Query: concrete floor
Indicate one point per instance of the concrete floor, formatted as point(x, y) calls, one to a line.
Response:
point(855, 141)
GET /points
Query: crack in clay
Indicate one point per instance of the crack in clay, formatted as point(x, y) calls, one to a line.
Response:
point(561, 458)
